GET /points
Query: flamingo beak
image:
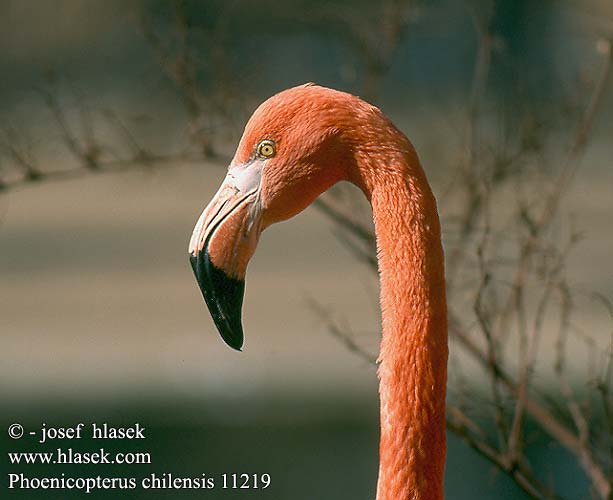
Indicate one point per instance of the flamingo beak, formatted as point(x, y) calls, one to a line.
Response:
point(223, 241)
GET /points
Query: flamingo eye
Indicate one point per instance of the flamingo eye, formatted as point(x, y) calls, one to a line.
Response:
point(266, 149)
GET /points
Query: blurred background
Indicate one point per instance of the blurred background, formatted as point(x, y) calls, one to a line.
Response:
point(117, 120)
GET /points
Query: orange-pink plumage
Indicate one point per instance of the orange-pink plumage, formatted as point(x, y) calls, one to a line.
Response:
point(319, 137)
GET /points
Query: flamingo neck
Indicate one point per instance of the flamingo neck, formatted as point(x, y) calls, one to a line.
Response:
point(413, 353)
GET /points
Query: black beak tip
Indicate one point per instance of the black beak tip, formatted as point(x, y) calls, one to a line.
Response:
point(223, 296)
point(233, 336)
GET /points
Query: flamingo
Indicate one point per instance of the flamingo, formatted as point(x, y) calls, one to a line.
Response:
point(296, 145)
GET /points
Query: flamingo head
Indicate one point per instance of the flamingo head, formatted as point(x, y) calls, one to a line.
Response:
point(292, 150)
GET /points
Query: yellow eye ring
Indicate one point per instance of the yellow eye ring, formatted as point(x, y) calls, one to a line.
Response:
point(266, 149)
